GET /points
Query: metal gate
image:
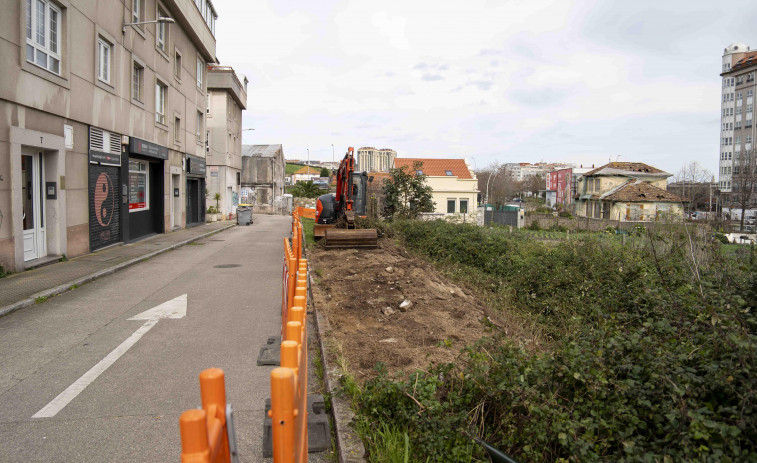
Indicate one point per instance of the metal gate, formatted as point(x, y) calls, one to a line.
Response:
point(104, 207)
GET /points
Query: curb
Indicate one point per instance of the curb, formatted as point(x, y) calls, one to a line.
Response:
point(350, 448)
point(60, 289)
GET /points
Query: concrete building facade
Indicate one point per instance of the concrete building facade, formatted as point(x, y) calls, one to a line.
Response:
point(97, 121)
point(263, 169)
point(737, 163)
point(227, 98)
point(370, 159)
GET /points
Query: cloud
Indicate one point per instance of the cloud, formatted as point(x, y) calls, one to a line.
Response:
point(512, 81)
point(431, 77)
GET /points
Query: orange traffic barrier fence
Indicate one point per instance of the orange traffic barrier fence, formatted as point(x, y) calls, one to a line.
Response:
point(289, 384)
point(207, 434)
point(307, 212)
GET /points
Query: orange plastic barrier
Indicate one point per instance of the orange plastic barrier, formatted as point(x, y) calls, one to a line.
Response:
point(289, 383)
point(204, 437)
point(307, 212)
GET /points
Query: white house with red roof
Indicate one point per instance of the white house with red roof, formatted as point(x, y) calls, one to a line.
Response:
point(454, 185)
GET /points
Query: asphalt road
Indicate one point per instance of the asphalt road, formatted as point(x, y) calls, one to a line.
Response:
point(131, 411)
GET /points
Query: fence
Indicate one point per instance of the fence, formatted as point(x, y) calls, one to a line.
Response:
point(207, 434)
point(289, 408)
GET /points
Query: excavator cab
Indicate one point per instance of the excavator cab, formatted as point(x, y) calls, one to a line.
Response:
point(349, 201)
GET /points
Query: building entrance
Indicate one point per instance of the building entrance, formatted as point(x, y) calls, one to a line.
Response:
point(33, 180)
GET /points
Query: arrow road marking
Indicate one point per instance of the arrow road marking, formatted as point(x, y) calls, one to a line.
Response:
point(175, 308)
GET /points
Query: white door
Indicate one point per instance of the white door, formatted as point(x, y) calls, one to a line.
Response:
point(33, 214)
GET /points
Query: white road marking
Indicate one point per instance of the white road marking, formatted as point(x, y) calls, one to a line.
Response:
point(175, 308)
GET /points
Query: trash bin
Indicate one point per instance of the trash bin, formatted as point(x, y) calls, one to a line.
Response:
point(244, 214)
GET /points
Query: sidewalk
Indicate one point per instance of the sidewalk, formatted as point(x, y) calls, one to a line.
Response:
point(21, 289)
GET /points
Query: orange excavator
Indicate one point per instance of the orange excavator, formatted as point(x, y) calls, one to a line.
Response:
point(335, 214)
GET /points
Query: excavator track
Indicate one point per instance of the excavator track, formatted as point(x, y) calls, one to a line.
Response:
point(337, 238)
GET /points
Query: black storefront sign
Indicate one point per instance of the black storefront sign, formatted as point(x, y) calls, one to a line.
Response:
point(195, 165)
point(145, 148)
point(104, 206)
point(109, 159)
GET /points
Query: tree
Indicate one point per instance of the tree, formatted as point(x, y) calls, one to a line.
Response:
point(406, 194)
point(744, 182)
point(692, 183)
point(325, 172)
point(306, 189)
point(502, 186)
point(534, 184)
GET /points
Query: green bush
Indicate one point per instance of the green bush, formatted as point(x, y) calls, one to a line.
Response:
point(649, 361)
point(565, 214)
point(721, 237)
point(534, 226)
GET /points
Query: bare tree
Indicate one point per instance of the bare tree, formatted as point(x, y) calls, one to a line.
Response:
point(744, 182)
point(692, 183)
point(499, 181)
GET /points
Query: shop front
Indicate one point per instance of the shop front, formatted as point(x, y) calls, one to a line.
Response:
point(145, 190)
point(104, 177)
point(195, 167)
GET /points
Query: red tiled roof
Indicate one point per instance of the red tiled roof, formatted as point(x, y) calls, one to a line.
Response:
point(640, 191)
point(639, 167)
point(749, 59)
point(437, 167)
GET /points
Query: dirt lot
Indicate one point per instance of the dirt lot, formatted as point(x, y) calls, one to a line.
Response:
point(360, 293)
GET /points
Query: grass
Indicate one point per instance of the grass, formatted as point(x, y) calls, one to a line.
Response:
point(40, 300)
point(292, 168)
point(195, 243)
point(308, 225)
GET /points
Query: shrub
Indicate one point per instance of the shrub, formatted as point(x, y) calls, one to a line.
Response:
point(534, 225)
point(650, 361)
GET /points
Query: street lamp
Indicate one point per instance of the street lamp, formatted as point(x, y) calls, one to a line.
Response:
point(486, 199)
point(160, 20)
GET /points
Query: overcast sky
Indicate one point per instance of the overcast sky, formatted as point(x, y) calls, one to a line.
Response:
point(492, 81)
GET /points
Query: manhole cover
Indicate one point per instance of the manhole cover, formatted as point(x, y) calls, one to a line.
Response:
point(226, 266)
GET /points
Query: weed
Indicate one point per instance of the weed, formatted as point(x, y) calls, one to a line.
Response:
point(3, 272)
point(63, 258)
point(73, 287)
point(195, 243)
point(651, 352)
point(40, 299)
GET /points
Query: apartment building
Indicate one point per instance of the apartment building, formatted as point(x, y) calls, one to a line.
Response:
point(520, 171)
point(370, 159)
point(227, 98)
point(737, 131)
point(101, 123)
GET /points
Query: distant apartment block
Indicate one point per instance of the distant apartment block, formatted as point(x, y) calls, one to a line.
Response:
point(737, 131)
point(370, 159)
point(520, 171)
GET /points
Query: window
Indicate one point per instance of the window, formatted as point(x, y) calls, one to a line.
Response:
point(161, 32)
point(43, 35)
point(137, 82)
point(177, 65)
point(177, 129)
point(463, 206)
point(139, 188)
point(135, 10)
point(200, 68)
point(103, 60)
point(450, 206)
point(160, 102)
point(448, 172)
point(199, 126)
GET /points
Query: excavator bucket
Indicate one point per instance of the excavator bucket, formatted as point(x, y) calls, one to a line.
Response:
point(366, 238)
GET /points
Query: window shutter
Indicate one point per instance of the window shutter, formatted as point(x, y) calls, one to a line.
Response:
point(95, 139)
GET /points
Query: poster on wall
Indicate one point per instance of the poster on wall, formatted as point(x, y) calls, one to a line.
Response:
point(247, 195)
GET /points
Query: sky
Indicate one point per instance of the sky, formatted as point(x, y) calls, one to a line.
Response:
point(490, 81)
